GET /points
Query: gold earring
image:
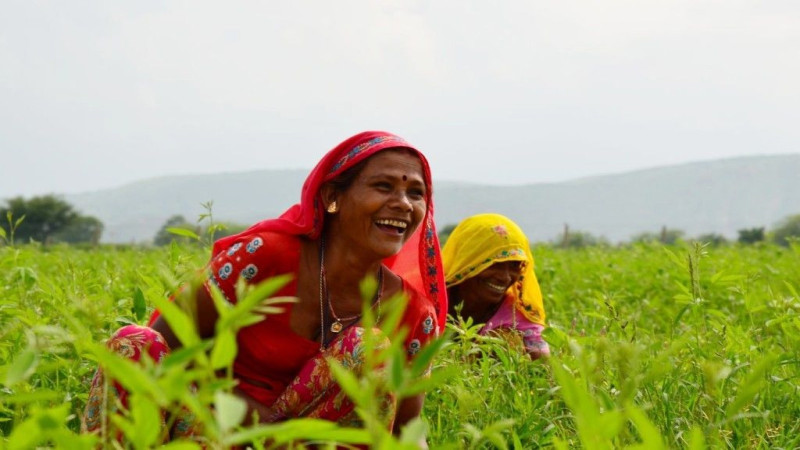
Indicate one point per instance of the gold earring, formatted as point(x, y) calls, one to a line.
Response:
point(332, 207)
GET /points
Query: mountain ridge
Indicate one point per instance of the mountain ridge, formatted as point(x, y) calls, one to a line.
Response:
point(719, 196)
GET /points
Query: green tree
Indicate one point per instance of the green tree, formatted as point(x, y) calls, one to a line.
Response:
point(667, 236)
point(580, 239)
point(227, 229)
point(787, 228)
point(751, 235)
point(81, 229)
point(445, 231)
point(165, 237)
point(714, 239)
point(45, 216)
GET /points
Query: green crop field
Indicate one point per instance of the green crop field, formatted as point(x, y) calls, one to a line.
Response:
point(653, 347)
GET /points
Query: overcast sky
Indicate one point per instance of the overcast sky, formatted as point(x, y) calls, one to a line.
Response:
point(98, 94)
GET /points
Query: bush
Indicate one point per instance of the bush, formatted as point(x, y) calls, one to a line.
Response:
point(667, 236)
point(751, 235)
point(165, 237)
point(713, 239)
point(786, 229)
point(48, 218)
point(580, 239)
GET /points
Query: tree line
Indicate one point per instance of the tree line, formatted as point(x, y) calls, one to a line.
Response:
point(49, 219)
point(784, 232)
point(178, 229)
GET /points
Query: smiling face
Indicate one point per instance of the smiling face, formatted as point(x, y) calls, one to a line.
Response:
point(382, 207)
point(488, 288)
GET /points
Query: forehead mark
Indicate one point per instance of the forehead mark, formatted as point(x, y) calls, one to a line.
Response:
point(394, 164)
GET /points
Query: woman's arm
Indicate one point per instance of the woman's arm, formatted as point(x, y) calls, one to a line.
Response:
point(408, 409)
point(205, 319)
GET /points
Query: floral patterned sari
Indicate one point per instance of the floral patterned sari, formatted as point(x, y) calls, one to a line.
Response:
point(274, 365)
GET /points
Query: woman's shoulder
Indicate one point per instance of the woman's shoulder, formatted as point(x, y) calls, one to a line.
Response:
point(420, 319)
point(418, 303)
point(254, 257)
point(262, 241)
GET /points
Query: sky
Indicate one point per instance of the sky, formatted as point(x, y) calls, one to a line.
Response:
point(97, 94)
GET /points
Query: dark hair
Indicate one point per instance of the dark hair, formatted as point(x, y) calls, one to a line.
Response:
point(346, 178)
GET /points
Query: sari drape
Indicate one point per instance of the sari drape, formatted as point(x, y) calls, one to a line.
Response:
point(419, 262)
point(270, 248)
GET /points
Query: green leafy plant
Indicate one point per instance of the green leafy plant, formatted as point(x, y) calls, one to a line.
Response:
point(668, 346)
point(8, 236)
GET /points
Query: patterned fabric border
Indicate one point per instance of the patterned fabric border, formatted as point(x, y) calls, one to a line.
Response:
point(431, 270)
point(500, 256)
point(212, 278)
point(366, 146)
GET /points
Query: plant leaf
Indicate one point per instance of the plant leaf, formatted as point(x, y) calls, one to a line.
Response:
point(225, 349)
point(750, 385)
point(229, 410)
point(23, 367)
point(184, 232)
point(139, 304)
point(347, 381)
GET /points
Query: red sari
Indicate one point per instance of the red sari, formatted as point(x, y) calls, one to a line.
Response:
point(271, 355)
point(278, 367)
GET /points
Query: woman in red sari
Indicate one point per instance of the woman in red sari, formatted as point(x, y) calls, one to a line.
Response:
point(366, 210)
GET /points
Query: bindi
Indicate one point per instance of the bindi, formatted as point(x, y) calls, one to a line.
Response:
point(405, 178)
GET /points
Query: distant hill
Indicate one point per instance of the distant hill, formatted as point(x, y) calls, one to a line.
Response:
point(719, 196)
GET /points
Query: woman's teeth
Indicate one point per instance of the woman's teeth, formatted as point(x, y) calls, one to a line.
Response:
point(496, 287)
point(398, 225)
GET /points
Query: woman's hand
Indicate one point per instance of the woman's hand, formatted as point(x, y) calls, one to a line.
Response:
point(265, 413)
point(408, 409)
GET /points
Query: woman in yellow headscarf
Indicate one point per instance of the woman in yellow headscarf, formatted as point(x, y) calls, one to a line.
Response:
point(488, 268)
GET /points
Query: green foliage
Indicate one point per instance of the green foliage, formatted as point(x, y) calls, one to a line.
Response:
point(445, 232)
point(751, 235)
point(654, 347)
point(7, 237)
point(713, 239)
point(579, 239)
point(82, 229)
point(76, 299)
point(176, 229)
point(224, 229)
point(48, 218)
point(786, 230)
point(690, 347)
point(667, 236)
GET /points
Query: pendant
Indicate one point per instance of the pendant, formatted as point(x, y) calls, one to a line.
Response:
point(336, 327)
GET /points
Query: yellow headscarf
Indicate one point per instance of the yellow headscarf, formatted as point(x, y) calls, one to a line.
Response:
point(482, 240)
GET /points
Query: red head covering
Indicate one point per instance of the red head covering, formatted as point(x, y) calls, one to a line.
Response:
point(418, 262)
